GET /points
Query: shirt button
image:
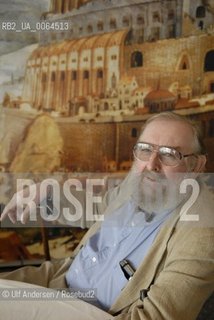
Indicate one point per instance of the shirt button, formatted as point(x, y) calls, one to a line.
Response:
point(94, 259)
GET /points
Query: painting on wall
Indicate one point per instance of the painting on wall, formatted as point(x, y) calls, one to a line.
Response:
point(79, 77)
point(82, 75)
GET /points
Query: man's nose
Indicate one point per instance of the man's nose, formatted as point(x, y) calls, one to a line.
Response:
point(153, 163)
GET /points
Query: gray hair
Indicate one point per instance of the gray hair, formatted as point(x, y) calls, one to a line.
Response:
point(199, 146)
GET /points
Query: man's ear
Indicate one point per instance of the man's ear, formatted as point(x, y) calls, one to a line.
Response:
point(200, 164)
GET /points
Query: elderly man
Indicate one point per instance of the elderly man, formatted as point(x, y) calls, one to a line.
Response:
point(152, 257)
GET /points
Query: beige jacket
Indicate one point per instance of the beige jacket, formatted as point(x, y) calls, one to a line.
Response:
point(177, 275)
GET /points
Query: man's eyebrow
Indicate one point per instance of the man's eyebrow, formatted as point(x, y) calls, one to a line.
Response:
point(162, 145)
point(140, 141)
point(177, 148)
point(173, 147)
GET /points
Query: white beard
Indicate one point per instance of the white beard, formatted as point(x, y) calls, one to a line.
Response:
point(154, 194)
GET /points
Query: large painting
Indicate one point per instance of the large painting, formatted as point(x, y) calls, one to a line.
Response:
point(80, 75)
point(78, 79)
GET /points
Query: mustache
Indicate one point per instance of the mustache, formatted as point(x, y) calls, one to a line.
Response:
point(159, 177)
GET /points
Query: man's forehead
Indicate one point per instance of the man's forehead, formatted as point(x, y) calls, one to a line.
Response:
point(167, 132)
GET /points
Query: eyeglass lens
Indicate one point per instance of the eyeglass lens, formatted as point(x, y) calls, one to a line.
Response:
point(168, 156)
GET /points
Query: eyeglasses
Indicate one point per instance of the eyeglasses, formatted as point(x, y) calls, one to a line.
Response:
point(168, 156)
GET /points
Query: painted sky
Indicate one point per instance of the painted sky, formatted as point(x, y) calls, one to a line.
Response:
point(19, 11)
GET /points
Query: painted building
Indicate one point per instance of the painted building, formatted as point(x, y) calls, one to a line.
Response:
point(118, 62)
point(80, 70)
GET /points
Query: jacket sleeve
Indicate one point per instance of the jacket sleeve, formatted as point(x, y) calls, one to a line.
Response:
point(185, 281)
